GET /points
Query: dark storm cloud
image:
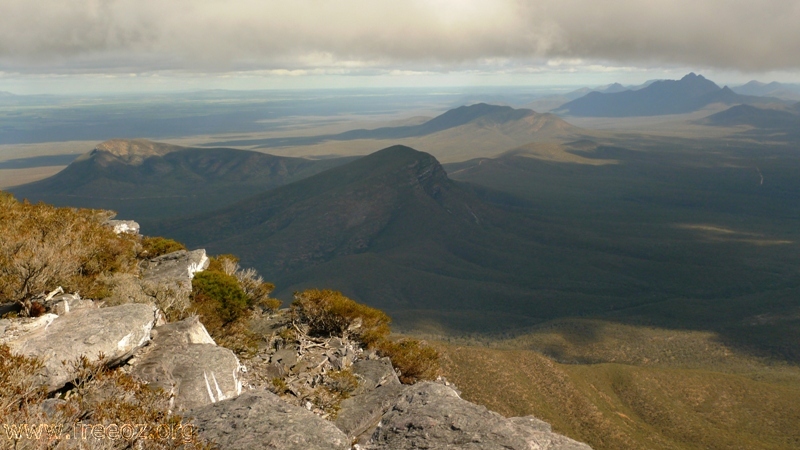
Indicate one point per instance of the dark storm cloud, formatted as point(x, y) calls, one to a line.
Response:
point(218, 35)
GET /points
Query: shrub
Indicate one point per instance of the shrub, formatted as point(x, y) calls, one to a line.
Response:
point(279, 386)
point(157, 246)
point(256, 289)
point(100, 396)
point(227, 264)
point(43, 247)
point(342, 382)
point(218, 297)
point(415, 360)
point(20, 387)
point(330, 313)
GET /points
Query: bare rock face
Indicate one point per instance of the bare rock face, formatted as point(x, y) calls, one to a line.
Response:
point(134, 151)
point(373, 374)
point(433, 416)
point(67, 303)
point(261, 420)
point(379, 389)
point(360, 415)
point(124, 226)
point(114, 332)
point(180, 265)
point(184, 361)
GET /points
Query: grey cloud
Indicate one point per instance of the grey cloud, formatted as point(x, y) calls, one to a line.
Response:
point(219, 35)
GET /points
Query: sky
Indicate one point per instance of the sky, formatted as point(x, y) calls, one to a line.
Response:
point(57, 46)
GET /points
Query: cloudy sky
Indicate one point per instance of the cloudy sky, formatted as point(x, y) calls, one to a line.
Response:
point(152, 44)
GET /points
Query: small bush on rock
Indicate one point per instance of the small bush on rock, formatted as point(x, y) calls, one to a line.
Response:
point(157, 246)
point(342, 382)
point(224, 308)
point(329, 313)
point(415, 360)
point(218, 298)
point(256, 289)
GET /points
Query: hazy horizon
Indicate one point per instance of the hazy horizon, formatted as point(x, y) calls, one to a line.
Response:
point(118, 46)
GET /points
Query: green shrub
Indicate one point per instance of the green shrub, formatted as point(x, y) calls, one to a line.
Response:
point(415, 360)
point(270, 304)
point(256, 289)
point(157, 246)
point(218, 297)
point(226, 263)
point(329, 313)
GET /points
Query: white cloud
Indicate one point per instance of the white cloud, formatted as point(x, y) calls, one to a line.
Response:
point(84, 36)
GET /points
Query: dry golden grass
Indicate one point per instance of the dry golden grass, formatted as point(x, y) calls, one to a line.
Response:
point(16, 177)
point(625, 406)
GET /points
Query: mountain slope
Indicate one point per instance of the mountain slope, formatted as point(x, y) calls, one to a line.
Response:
point(150, 181)
point(390, 229)
point(621, 230)
point(476, 130)
point(688, 94)
point(755, 117)
point(761, 123)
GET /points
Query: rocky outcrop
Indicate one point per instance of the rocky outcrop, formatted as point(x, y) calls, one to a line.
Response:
point(133, 151)
point(180, 265)
point(433, 416)
point(360, 415)
point(261, 420)
point(334, 393)
point(379, 389)
point(115, 333)
point(185, 361)
point(123, 226)
point(66, 303)
point(303, 363)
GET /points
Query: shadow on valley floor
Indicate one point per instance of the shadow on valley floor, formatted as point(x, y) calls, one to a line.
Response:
point(700, 235)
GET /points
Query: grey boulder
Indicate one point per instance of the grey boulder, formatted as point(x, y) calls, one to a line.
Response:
point(184, 361)
point(433, 416)
point(179, 265)
point(116, 333)
point(67, 303)
point(261, 420)
point(374, 373)
point(360, 414)
point(379, 389)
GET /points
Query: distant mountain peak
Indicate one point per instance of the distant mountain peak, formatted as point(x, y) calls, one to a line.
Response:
point(690, 93)
point(422, 167)
point(465, 114)
point(133, 151)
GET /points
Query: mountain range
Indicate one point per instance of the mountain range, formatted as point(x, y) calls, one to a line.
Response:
point(772, 89)
point(521, 238)
point(458, 134)
point(151, 181)
point(688, 94)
